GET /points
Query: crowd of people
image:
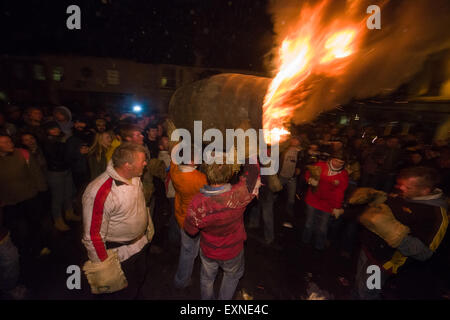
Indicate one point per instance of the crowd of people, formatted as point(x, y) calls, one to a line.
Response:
point(384, 196)
point(47, 160)
point(356, 186)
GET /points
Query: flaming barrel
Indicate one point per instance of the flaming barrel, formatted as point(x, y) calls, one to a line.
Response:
point(222, 101)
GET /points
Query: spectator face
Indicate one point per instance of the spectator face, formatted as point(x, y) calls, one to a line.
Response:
point(59, 116)
point(295, 142)
point(337, 163)
point(410, 188)
point(106, 140)
point(6, 145)
point(80, 126)
point(54, 132)
point(29, 141)
point(327, 137)
point(136, 137)
point(152, 134)
point(392, 143)
point(313, 148)
point(137, 167)
point(416, 158)
point(100, 125)
point(36, 115)
point(431, 154)
point(164, 144)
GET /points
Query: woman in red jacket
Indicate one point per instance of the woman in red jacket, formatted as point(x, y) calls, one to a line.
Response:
point(324, 197)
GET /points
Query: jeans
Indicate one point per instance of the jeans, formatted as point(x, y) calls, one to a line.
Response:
point(361, 291)
point(9, 265)
point(61, 189)
point(264, 206)
point(317, 223)
point(290, 185)
point(233, 270)
point(188, 252)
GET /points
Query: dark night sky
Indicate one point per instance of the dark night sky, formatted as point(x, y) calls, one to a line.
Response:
point(211, 33)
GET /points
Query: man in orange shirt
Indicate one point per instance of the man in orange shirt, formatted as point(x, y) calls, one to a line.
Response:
point(187, 182)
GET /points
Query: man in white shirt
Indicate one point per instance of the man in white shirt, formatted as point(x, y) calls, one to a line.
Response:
point(116, 220)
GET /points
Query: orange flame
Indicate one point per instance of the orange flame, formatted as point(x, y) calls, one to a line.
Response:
point(310, 48)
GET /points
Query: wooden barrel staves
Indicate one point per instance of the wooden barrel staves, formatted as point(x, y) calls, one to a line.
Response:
point(222, 101)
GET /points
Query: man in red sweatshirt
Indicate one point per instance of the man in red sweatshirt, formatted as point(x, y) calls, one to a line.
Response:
point(324, 197)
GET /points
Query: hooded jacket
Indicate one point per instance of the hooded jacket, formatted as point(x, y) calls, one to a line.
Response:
point(66, 126)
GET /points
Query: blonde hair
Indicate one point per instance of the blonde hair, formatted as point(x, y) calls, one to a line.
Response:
point(218, 173)
point(97, 148)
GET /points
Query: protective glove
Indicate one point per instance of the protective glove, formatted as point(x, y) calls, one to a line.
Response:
point(313, 182)
point(367, 196)
point(337, 212)
point(315, 176)
point(105, 276)
point(380, 220)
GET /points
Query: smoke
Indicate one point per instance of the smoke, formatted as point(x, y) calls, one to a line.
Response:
point(411, 32)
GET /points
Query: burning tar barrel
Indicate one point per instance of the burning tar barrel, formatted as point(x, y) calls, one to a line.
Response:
point(222, 101)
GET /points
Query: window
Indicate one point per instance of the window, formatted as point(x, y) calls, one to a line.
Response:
point(58, 73)
point(168, 78)
point(39, 72)
point(112, 77)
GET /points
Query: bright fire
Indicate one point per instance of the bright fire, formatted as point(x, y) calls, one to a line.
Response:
point(311, 48)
